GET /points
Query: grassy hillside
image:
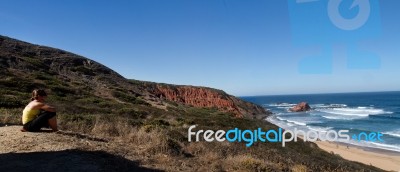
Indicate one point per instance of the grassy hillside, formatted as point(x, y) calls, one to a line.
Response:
point(140, 123)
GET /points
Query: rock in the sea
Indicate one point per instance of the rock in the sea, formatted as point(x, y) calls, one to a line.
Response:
point(301, 107)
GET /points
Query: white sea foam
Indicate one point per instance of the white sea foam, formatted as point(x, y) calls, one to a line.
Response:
point(289, 122)
point(340, 117)
point(280, 118)
point(380, 146)
point(359, 111)
point(297, 122)
point(279, 123)
point(320, 129)
point(376, 145)
point(395, 133)
point(342, 111)
point(282, 107)
point(281, 104)
point(328, 105)
point(339, 105)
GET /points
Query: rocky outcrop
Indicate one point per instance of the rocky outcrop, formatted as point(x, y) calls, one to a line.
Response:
point(207, 97)
point(301, 107)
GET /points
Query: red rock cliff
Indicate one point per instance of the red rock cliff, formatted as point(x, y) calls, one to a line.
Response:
point(208, 97)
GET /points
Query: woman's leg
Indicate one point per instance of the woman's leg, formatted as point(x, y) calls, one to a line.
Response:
point(53, 123)
point(44, 119)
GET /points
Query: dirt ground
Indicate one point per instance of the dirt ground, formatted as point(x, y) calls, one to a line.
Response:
point(59, 151)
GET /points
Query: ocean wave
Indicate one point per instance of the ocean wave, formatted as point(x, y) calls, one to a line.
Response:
point(385, 116)
point(381, 146)
point(344, 112)
point(328, 105)
point(281, 104)
point(280, 118)
point(320, 129)
point(288, 121)
point(290, 124)
point(339, 117)
point(375, 145)
point(395, 133)
point(282, 107)
point(359, 111)
point(297, 122)
point(277, 122)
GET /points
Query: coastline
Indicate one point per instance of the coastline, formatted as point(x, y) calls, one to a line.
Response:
point(385, 160)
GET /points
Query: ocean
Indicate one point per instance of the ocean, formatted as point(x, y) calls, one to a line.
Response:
point(356, 112)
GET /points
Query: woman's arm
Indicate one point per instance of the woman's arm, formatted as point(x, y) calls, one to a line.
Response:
point(48, 108)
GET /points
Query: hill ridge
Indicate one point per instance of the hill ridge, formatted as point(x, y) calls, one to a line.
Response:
point(93, 78)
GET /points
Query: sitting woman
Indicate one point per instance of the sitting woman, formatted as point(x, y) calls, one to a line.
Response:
point(37, 114)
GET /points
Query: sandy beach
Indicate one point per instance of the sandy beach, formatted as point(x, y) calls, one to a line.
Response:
point(389, 161)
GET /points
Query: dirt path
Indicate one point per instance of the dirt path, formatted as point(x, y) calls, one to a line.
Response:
point(61, 151)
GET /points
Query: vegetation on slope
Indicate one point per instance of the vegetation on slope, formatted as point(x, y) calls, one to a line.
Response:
point(94, 100)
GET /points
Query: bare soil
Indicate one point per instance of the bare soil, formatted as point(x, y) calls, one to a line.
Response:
point(58, 151)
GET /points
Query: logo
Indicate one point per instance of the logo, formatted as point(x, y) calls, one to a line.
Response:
point(324, 23)
point(280, 135)
point(353, 23)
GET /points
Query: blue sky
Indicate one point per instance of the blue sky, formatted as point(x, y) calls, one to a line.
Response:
point(242, 47)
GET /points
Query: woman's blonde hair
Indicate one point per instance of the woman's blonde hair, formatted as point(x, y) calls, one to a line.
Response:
point(36, 93)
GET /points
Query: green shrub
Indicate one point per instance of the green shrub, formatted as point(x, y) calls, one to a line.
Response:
point(84, 70)
point(126, 97)
point(18, 84)
point(89, 100)
point(106, 105)
point(36, 63)
point(43, 76)
point(132, 113)
point(62, 91)
point(10, 102)
point(123, 96)
point(158, 123)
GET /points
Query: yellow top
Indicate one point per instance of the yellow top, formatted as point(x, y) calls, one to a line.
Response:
point(29, 115)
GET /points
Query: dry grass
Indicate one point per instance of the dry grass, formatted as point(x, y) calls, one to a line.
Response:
point(115, 128)
point(10, 116)
point(161, 144)
point(208, 160)
point(245, 163)
point(153, 142)
point(144, 141)
point(299, 168)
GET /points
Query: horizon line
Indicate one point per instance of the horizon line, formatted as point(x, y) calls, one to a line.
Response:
point(319, 93)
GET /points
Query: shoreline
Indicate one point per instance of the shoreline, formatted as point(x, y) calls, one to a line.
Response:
point(381, 158)
point(384, 159)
